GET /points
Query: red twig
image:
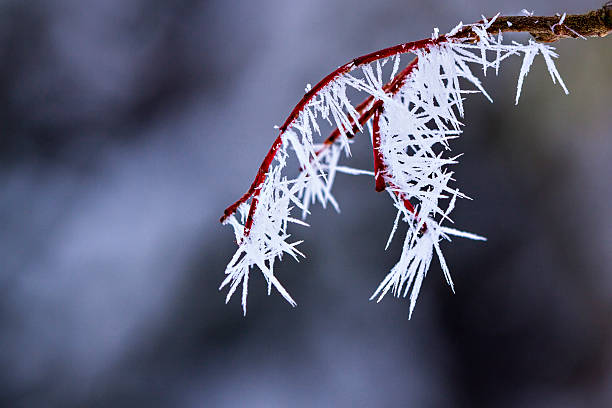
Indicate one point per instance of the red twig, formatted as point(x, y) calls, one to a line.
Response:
point(265, 165)
point(379, 166)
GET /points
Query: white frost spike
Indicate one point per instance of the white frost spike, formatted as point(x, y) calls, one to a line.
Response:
point(268, 236)
point(531, 52)
point(456, 29)
point(415, 128)
point(396, 63)
point(548, 54)
point(560, 23)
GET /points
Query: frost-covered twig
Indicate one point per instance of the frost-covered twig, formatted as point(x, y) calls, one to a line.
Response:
point(411, 117)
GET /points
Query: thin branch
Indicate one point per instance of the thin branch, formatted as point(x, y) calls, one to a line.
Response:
point(597, 23)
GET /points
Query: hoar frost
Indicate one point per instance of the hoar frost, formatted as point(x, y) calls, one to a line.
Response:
point(416, 125)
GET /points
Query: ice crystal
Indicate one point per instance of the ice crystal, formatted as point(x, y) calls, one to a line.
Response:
point(416, 127)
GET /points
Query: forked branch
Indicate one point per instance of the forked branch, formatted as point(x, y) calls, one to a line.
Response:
point(596, 23)
point(412, 120)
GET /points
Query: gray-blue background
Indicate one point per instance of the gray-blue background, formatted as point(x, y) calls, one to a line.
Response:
point(126, 127)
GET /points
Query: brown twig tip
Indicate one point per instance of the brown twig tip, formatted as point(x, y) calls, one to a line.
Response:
point(596, 23)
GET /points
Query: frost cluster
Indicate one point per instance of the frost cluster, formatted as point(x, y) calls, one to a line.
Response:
point(416, 127)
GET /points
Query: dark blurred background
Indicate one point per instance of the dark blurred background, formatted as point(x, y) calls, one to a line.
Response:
point(126, 127)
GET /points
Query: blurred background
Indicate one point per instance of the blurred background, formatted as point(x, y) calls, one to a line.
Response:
point(126, 127)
